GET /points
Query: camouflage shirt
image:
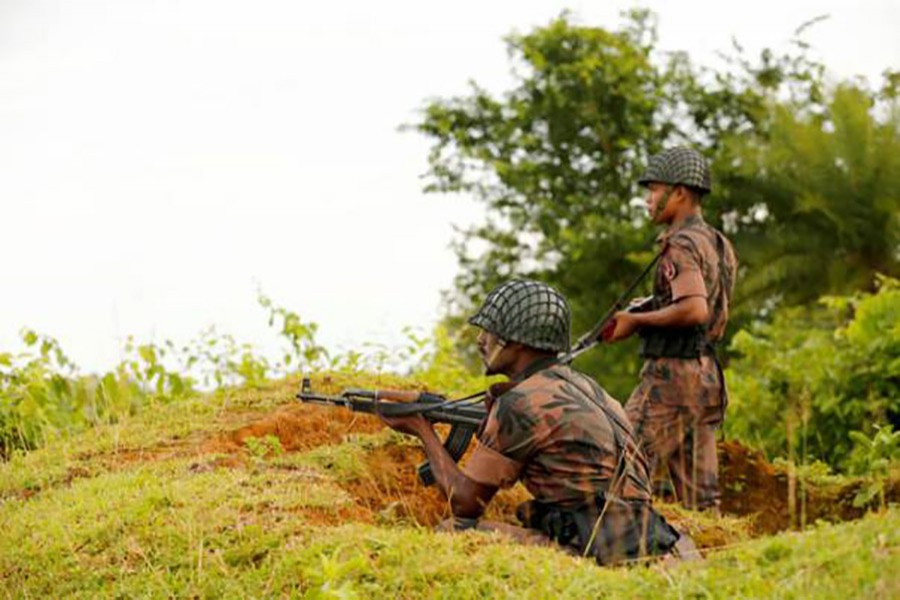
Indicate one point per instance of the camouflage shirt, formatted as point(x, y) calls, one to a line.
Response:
point(697, 260)
point(563, 436)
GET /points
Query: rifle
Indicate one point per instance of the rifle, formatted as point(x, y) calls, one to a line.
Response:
point(463, 415)
point(595, 335)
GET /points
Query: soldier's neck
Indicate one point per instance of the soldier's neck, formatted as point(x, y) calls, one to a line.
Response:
point(684, 217)
point(528, 363)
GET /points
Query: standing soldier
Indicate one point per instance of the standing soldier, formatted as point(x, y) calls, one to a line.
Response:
point(681, 399)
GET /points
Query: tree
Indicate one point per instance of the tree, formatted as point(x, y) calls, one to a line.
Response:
point(555, 159)
point(823, 196)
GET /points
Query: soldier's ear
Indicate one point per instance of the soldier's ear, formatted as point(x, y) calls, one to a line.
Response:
point(691, 194)
point(695, 194)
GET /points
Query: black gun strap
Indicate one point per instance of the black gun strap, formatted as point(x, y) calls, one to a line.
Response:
point(592, 337)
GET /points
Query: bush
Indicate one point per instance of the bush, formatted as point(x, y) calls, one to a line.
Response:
point(803, 381)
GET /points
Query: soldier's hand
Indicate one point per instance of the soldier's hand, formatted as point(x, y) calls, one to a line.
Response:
point(624, 326)
point(410, 424)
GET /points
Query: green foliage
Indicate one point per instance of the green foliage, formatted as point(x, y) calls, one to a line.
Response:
point(145, 365)
point(301, 336)
point(167, 529)
point(268, 445)
point(817, 197)
point(873, 456)
point(218, 360)
point(828, 372)
point(43, 395)
point(438, 364)
point(555, 158)
point(81, 520)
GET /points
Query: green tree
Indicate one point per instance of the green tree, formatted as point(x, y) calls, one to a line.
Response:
point(803, 177)
point(555, 159)
point(821, 196)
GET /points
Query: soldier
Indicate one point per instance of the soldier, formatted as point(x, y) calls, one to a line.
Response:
point(554, 429)
point(681, 398)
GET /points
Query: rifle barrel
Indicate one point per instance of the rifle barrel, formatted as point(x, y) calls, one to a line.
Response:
point(462, 414)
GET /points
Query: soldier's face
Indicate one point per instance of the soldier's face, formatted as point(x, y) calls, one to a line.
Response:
point(491, 349)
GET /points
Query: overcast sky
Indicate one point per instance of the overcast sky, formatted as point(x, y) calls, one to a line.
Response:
point(160, 158)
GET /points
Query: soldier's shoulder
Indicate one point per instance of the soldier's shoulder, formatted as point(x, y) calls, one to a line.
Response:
point(574, 381)
point(700, 240)
point(689, 238)
point(542, 384)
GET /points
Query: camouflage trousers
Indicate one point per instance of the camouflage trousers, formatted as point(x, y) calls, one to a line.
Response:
point(675, 412)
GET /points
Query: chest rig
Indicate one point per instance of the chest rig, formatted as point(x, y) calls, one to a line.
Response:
point(680, 342)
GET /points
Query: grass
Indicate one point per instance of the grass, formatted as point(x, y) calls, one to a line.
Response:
point(138, 510)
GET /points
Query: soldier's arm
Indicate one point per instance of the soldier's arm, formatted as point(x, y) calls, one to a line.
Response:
point(467, 497)
point(685, 312)
point(682, 267)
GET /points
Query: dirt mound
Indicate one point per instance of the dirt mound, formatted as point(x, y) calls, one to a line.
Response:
point(298, 427)
point(388, 490)
point(750, 485)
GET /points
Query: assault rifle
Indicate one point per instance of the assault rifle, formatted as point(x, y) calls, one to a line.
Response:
point(463, 415)
point(608, 321)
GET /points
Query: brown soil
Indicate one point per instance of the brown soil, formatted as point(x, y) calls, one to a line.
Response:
point(389, 490)
point(750, 485)
point(298, 428)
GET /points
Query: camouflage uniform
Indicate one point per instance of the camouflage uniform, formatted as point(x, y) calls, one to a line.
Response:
point(680, 402)
point(572, 447)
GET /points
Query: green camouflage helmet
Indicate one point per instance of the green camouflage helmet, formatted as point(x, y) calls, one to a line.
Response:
point(678, 166)
point(529, 312)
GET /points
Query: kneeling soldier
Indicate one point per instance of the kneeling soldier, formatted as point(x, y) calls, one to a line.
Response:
point(557, 431)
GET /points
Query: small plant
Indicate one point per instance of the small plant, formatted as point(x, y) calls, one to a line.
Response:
point(301, 336)
point(872, 457)
point(262, 447)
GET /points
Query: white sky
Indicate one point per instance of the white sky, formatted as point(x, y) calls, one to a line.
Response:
point(159, 158)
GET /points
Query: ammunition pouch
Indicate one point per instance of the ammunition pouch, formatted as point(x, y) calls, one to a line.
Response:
point(674, 342)
point(627, 530)
point(670, 342)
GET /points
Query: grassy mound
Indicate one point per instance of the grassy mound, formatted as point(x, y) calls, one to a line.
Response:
point(248, 494)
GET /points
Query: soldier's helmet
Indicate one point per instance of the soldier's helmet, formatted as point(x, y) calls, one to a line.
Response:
point(529, 312)
point(678, 166)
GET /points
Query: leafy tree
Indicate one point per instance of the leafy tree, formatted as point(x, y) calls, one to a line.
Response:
point(821, 198)
point(803, 177)
point(555, 159)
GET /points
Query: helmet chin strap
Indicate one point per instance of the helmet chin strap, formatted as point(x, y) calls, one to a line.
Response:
point(661, 207)
point(501, 344)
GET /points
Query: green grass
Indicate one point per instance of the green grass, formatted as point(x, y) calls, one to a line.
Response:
point(185, 525)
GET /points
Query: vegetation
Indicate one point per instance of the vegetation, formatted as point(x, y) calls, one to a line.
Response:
point(805, 174)
point(803, 382)
point(159, 504)
point(188, 470)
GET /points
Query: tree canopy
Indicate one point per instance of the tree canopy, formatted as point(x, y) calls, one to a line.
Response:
point(802, 172)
